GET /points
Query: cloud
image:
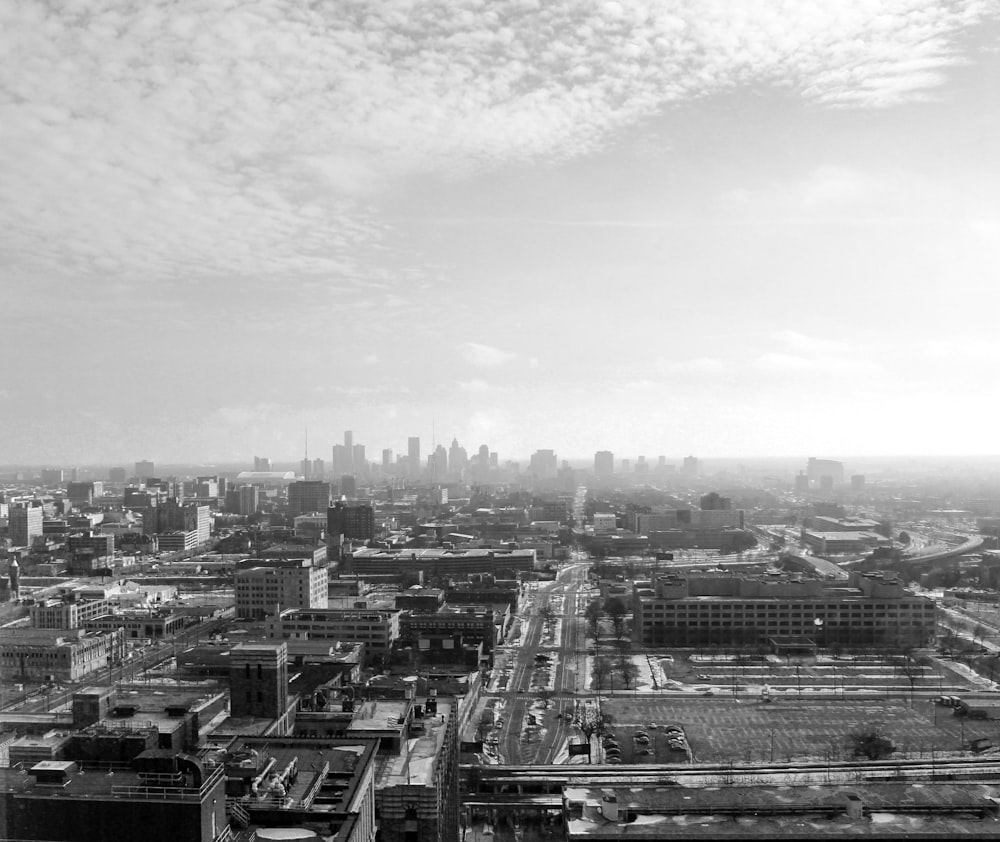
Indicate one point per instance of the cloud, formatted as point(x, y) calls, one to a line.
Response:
point(698, 365)
point(809, 344)
point(485, 356)
point(792, 363)
point(206, 141)
point(481, 387)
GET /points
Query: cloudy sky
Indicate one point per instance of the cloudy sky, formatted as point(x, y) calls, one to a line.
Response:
point(765, 227)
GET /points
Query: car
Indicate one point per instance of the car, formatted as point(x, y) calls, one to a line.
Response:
point(641, 734)
point(614, 760)
point(643, 741)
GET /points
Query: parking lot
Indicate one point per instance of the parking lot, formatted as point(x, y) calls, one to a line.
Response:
point(724, 730)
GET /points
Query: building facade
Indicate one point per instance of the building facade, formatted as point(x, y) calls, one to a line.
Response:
point(750, 611)
point(265, 586)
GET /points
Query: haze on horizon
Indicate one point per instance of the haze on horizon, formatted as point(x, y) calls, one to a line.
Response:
point(763, 228)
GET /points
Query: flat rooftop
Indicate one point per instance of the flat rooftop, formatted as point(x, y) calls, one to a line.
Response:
point(415, 766)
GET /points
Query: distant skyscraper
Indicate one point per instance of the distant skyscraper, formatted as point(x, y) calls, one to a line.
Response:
point(413, 454)
point(349, 466)
point(857, 482)
point(261, 463)
point(116, 475)
point(144, 469)
point(458, 459)
point(641, 465)
point(52, 476)
point(691, 467)
point(249, 499)
point(543, 464)
point(387, 459)
point(318, 469)
point(604, 464)
point(817, 469)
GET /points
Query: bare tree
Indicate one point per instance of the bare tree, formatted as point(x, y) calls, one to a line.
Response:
point(601, 670)
point(588, 719)
point(617, 610)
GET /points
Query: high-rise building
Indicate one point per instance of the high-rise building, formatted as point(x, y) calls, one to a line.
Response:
point(261, 463)
point(117, 475)
point(318, 469)
point(387, 459)
point(82, 494)
point(543, 464)
point(352, 523)
point(248, 499)
point(857, 482)
point(604, 464)
point(348, 485)
point(818, 469)
point(52, 476)
point(413, 455)
point(458, 459)
point(308, 496)
point(25, 523)
point(691, 467)
point(144, 469)
point(713, 501)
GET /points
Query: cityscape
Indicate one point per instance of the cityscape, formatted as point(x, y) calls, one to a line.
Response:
point(499, 420)
point(438, 645)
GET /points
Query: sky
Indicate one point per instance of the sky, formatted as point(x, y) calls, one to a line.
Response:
point(761, 228)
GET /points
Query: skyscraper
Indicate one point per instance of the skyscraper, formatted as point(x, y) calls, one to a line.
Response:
point(144, 469)
point(413, 455)
point(604, 464)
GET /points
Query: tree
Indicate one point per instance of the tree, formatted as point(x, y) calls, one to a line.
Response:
point(913, 668)
point(868, 741)
point(593, 616)
point(601, 670)
point(904, 538)
point(547, 613)
point(617, 610)
point(628, 671)
point(588, 719)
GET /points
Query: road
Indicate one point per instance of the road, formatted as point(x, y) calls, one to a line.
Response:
point(567, 597)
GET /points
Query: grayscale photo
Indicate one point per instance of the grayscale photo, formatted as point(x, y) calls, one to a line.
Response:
point(499, 420)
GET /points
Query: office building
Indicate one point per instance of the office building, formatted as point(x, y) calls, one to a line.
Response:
point(153, 798)
point(387, 460)
point(261, 463)
point(144, 469)
point(857, 482)
point(409, 563)
point(30, 654)
point(824, 473)
point(413, 455)
point(52, 476)
point(604, 464)
point(174, 517)
point(691, 467)
point(82, 494)
point(308, 496)
point(714, 502)
point(263, 587)
point(258, 680)
point(350, 523)
point(24, 523)
point(724, 609)
point(543, 464)
point(378, 630)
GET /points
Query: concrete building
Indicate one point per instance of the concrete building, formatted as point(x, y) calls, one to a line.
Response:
point(439, 562)
point(266, 586)
point(834, 543)
point(24, 522)
point(604, 464)
point(346, 522)
point(824, 472)
point(307, 497)
point(144, 469)
point(57, 654)
point(378, 630)
point(751, 611)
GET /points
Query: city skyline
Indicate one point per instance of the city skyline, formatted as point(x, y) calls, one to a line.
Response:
point(770, 229)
